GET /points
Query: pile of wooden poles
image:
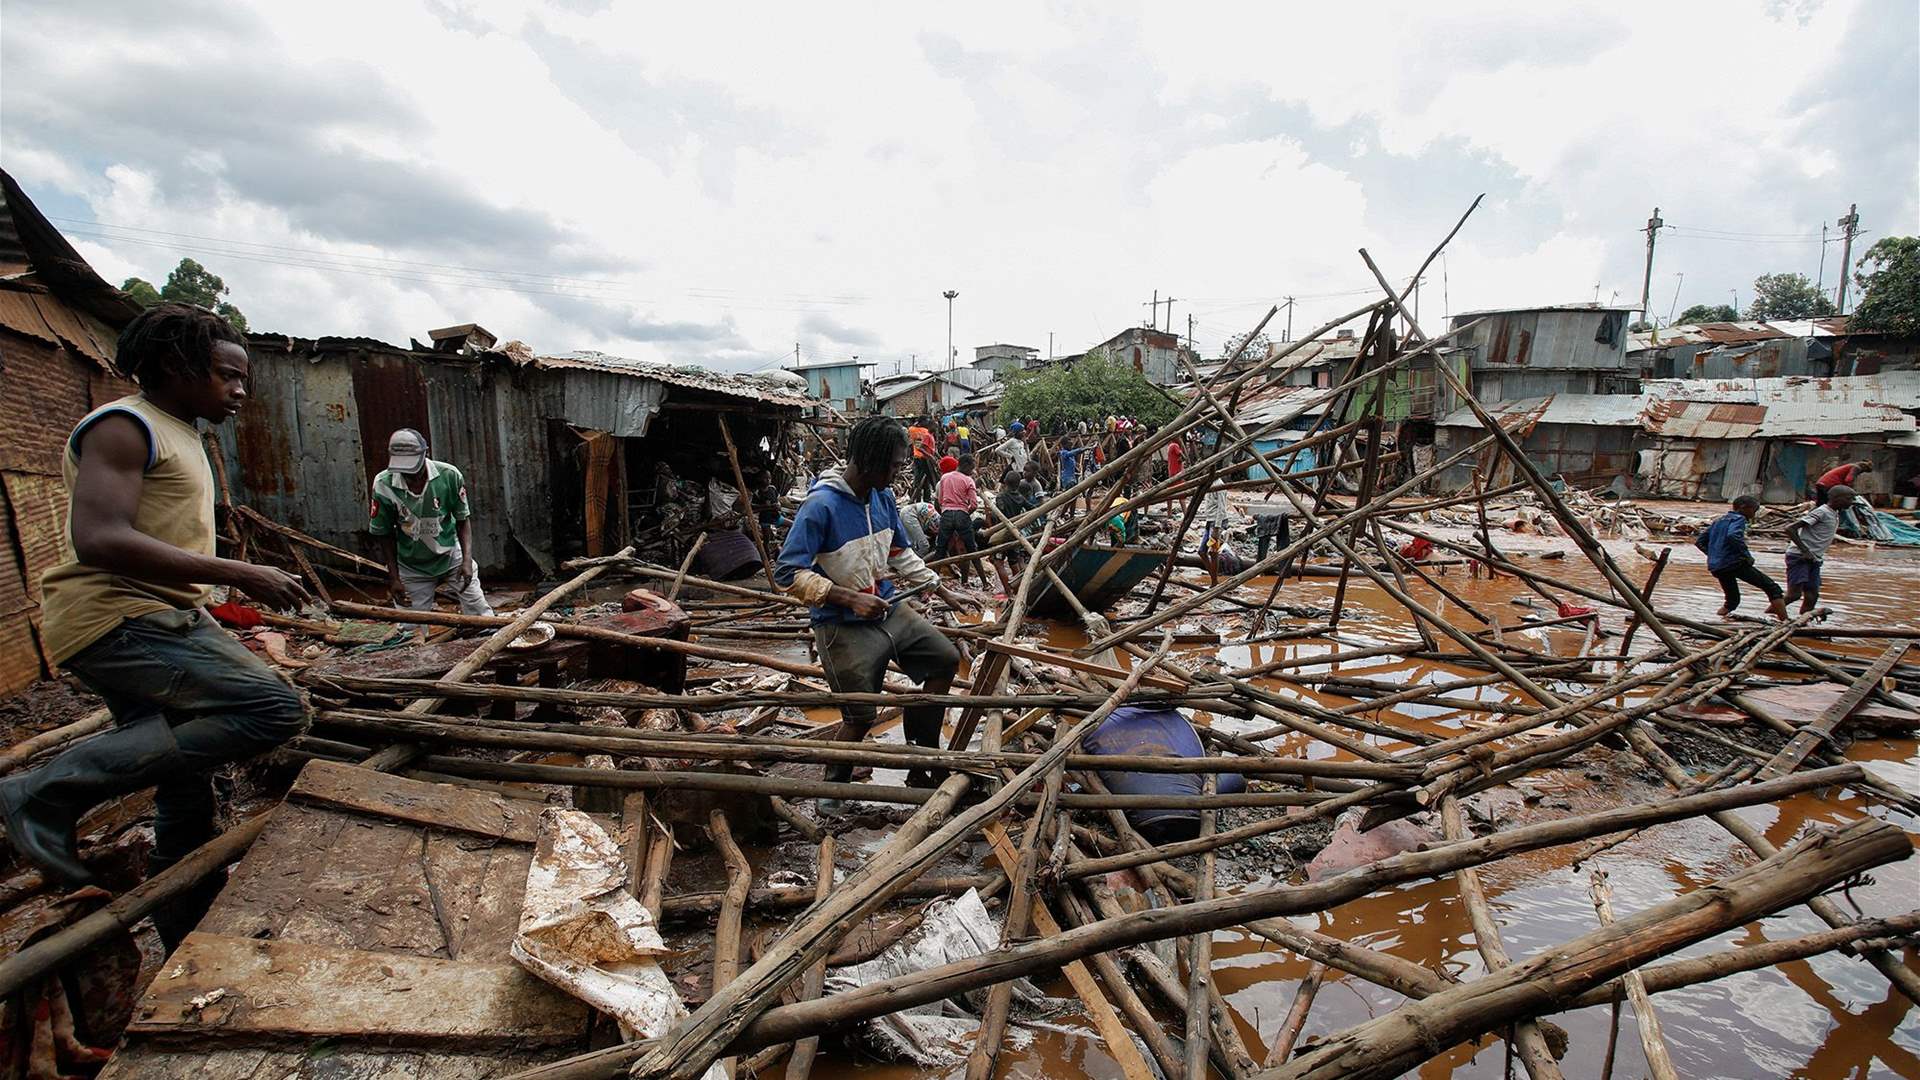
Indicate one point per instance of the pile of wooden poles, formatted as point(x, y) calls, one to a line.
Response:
point(1017, 776)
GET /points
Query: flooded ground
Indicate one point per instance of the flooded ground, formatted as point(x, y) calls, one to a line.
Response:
point(1824, 1019)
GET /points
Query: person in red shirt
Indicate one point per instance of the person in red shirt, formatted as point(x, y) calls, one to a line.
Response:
point(1174, 454)
point(924, 454)
point(1838, 476)
point(959, 497)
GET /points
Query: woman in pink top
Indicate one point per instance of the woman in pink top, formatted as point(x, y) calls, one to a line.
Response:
point(959, 495)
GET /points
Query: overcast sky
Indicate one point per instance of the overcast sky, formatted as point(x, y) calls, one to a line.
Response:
point(708, 184)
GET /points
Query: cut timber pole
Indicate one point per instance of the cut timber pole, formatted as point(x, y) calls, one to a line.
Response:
point(1296, 1021)
point(733, 908)
point(1869, 843)
point(1652, 1042)
point(1646, 597)
point(1527, 1039)
point(746, 502)
point(1200, 959)
point(1802, 744)
point(1401, 1040)
point(23, 751)
point(702, 1038)
point(800, 1065)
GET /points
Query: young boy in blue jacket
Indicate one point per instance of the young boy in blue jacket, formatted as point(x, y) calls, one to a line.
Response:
point(1731, 562)
point(845, 553)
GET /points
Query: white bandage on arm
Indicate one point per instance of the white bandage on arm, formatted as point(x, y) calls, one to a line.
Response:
point(811, 586)
point(910, 570)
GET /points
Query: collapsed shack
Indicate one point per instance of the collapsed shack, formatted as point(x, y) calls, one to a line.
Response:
point(548, 794)
point(563, 456)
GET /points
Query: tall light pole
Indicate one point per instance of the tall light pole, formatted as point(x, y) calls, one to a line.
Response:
point(950, 294)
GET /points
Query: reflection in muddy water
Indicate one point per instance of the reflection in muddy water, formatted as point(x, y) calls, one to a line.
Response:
point(1824, 1019)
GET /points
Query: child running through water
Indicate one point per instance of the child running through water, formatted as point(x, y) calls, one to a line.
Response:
point(1811, 536)
point(1731, 562)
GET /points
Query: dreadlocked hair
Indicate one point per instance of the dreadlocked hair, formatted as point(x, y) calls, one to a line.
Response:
point(171, 343)
point(874, 443)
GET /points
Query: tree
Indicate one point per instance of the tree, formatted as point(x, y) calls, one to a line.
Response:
point(189, 283)
point(1700, 313)
point(1890, 293)
point(1787, 296)
point(1258, 346)
point(1093, 389)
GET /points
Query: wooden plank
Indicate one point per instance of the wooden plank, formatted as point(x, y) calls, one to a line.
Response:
point(1106, 1021)
point(477, 887)
point(236, 986)
point(143, 1060)
point(1802, 744)
point(442, 806)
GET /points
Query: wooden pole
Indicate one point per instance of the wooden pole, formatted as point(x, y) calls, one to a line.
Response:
point(1296, 1021)
point(1200, 959)
point(1652, 1042)
point(733, 908)
point(800, 1065)
point(746, 502)
point(1527, 1039)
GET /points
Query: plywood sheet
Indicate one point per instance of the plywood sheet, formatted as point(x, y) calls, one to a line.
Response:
point(214, 983)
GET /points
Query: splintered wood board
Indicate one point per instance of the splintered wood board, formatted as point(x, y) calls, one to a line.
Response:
point(149, 1061)
point(417, 802)
point(237, 986)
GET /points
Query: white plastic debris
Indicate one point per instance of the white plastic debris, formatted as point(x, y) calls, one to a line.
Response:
point(583, 931)
point(938, 1034)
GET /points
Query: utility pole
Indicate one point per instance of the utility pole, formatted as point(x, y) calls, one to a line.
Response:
point(1820, 283)
point(1289, 336)
point(1169, 323)
point(1049, 346)
point(1153, 310)
point(1190, 331)
point(1849, 226)
point(1681, 279)
point(950, 294)
point(1654, 225)
point(1735, 293)
point(796, 354)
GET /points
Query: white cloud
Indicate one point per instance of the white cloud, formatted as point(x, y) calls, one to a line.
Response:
point(702, 186)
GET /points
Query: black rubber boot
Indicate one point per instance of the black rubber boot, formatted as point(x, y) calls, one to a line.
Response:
point(42, 807)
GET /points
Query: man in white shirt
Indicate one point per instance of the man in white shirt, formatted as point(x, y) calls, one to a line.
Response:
point(1811, 536)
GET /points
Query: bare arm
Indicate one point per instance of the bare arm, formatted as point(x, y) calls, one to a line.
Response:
point(395, 590)
point(1793, 537)
point(106, 495)
point(464, 530)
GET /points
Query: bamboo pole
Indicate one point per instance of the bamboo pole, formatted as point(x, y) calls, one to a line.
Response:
point(1296, 1021)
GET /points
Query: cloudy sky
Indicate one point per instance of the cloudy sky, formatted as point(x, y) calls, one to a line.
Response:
point(717, 185)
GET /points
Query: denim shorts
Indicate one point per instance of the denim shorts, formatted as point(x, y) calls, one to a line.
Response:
point(1802, 572)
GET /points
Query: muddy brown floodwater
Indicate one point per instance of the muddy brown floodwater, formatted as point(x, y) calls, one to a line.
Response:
point(1824, 1019)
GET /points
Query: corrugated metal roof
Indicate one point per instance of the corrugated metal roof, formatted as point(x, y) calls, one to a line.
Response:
point(1899, 389)
point(1790, 419)
point(1735, 333)
point(1460, 315)
point(692, 378)
point(1593, 410)
point(1271, 403)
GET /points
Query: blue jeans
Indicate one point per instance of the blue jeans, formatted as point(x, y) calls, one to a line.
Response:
point(219, 702)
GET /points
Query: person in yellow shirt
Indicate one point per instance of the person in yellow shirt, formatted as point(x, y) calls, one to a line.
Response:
point(125, 612)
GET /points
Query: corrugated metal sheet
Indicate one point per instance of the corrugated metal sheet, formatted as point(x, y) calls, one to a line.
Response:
point(20, 314)
point(1546, 338)
point(461, 403)
point(691, 378)
point(1900, 389)
point(1591, 410)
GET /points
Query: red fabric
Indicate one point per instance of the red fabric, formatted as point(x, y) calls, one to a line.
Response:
point(948, 464)
point(1173, 458)
point(958, 492)
point(1416, 549)
point(1568, 611)
point(236, 614)
point(1839, 474)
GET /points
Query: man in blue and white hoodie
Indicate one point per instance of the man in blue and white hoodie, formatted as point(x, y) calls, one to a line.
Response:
point(845, 552)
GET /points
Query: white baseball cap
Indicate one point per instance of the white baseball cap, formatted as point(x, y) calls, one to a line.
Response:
point(406, 452)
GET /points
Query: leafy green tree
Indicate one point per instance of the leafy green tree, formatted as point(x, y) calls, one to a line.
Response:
point(1700, 313)
point(1093, 389)
point(141, 291)
point(1890, 289)
point(1787, 296)
point(188, 283)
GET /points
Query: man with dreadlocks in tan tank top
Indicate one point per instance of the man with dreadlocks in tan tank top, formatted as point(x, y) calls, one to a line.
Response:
point(124, 612)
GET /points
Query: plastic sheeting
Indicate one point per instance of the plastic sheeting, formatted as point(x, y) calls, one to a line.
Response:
point(939, 1034)
point(582, 931)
